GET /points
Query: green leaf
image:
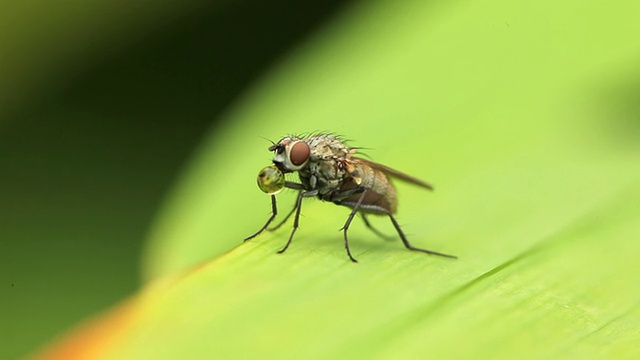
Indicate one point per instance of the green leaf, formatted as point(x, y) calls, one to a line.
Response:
point(525, 119)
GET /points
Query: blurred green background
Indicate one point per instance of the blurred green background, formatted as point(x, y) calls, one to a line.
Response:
point(101, 104)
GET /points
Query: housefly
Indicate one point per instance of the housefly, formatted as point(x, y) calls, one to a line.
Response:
point(330, 170)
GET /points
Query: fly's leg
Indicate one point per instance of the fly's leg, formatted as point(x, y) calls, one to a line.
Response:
point(290, 185)
point(338, 198)
point(296, 220)
point(274, 212)
point(382, 211)
point(274, 209)
point(411, 247)
point(345, 228)
point(283, 220)
point(376, 231)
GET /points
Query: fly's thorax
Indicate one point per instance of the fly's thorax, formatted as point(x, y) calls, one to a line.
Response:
point(323, 175)
point(327, 147)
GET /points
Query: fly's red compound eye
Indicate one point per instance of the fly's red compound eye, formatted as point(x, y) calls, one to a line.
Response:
point(299, 153)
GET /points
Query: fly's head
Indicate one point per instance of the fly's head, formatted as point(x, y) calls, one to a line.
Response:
point(290, 154)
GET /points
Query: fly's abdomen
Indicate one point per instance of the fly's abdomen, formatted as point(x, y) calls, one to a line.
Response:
point(380, 192)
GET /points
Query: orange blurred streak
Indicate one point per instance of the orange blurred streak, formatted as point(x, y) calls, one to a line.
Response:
point(92, 339)
point(97, 336)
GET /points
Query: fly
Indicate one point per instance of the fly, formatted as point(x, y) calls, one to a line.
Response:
point(329, 170)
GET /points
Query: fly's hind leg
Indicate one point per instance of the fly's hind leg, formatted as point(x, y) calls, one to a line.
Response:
point(382, 211)
point(411, 247)
point(372, 228)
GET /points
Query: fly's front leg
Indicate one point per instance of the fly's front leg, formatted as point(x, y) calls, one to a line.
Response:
point(274, 212)
point(274, 209)
point(284, 220)
point(296, 220)
point(290, 185)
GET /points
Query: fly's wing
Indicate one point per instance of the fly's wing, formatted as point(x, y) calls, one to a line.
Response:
point(392, 172)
